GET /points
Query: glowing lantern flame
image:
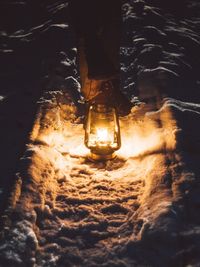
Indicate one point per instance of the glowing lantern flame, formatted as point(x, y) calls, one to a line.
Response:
point(102, 136)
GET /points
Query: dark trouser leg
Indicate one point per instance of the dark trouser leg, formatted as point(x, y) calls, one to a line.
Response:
point(98, 24)
point(99, 64)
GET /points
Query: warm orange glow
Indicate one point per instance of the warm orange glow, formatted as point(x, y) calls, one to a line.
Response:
point(147, 135)
point(102, 137)
point(140, 137)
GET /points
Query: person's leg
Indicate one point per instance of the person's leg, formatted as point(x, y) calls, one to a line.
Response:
point(98, 25)
point(91, 20)
point(99, 65)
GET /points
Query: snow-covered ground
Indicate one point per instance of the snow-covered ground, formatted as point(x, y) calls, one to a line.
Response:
point(140, 209)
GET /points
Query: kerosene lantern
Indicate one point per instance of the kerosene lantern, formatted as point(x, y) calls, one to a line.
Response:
point(102, 132)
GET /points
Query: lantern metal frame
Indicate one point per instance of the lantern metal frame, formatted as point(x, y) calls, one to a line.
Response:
point(102, 150)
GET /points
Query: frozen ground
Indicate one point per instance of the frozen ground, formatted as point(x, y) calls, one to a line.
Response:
point(141, 209)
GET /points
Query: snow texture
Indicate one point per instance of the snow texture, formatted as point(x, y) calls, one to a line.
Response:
point(140, 209)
